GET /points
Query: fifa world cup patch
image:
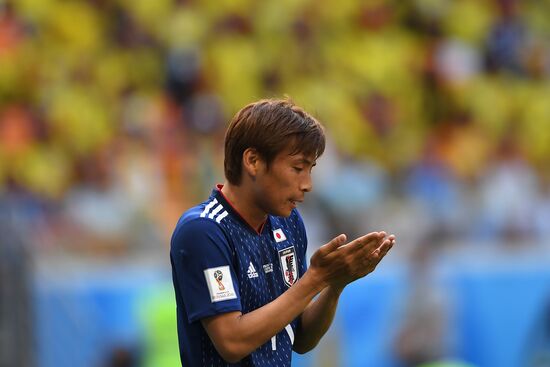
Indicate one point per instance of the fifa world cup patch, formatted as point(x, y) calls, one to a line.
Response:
point(289, 266)
point(220, 283)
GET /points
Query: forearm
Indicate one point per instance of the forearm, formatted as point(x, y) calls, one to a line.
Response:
point(236, 335)
point(316, 319)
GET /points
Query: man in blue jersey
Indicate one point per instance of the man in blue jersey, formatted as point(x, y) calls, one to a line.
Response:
point(244, 294)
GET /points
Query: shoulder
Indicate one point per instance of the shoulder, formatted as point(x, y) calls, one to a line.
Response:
point(209, 210)
point(198, 226)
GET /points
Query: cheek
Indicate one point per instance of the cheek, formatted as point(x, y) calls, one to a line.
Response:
point(281, 180)
point(290, 178)
point(273, 194)
point(278, 184)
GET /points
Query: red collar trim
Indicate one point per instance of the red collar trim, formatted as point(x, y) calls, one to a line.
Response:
point(259, 232)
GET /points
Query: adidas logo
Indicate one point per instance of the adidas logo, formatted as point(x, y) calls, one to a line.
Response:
point(252, 273)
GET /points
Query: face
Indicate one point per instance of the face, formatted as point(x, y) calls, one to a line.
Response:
point(280, 187)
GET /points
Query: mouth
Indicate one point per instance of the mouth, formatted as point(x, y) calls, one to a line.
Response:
point(295, 202)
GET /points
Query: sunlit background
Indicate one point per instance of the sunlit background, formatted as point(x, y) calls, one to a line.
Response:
point(112, 117)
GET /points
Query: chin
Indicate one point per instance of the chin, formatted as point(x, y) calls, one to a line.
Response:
point(282, 213)
point(286, 213)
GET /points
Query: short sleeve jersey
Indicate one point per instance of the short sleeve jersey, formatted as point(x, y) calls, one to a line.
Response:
point(221, 264)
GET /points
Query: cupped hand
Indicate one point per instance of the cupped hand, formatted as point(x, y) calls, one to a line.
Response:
point(338, 263)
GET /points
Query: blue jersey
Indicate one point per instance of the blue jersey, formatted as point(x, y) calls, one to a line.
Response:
point(221, 264)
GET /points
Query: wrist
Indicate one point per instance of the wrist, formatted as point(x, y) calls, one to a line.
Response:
point(336, 289)
point(314, 280)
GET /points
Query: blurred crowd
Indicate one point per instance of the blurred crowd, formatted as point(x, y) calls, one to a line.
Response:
point(112, 113)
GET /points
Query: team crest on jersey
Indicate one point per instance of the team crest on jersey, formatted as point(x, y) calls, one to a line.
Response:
point(289, 266)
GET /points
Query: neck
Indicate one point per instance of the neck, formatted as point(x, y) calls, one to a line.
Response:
point(242, 200)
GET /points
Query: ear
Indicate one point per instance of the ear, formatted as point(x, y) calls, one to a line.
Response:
point(251, 162)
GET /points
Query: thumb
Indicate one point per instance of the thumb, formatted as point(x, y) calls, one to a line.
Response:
point(335, 243)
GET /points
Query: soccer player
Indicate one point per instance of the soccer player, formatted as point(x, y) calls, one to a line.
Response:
point(244, 294)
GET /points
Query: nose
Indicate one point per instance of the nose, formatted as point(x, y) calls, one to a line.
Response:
point(306, 184)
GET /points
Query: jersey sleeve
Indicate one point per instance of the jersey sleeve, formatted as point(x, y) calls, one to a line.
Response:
point(204, 271)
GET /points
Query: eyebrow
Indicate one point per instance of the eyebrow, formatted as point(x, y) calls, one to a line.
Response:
point(307, 161)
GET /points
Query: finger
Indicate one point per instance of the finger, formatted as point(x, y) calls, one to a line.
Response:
point(372, 260)
point(390, 238)
point(335, 243)
point(374, 242)
point(385, 248)
point(367, 242)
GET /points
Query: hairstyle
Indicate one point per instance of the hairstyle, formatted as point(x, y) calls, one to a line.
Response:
point(270, 126)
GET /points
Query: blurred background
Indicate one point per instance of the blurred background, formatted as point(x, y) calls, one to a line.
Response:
point(112, 117)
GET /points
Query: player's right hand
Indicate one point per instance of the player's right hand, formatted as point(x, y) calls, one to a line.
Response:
point(338, 263)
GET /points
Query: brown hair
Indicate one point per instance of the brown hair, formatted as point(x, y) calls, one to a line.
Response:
point(270, 126)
